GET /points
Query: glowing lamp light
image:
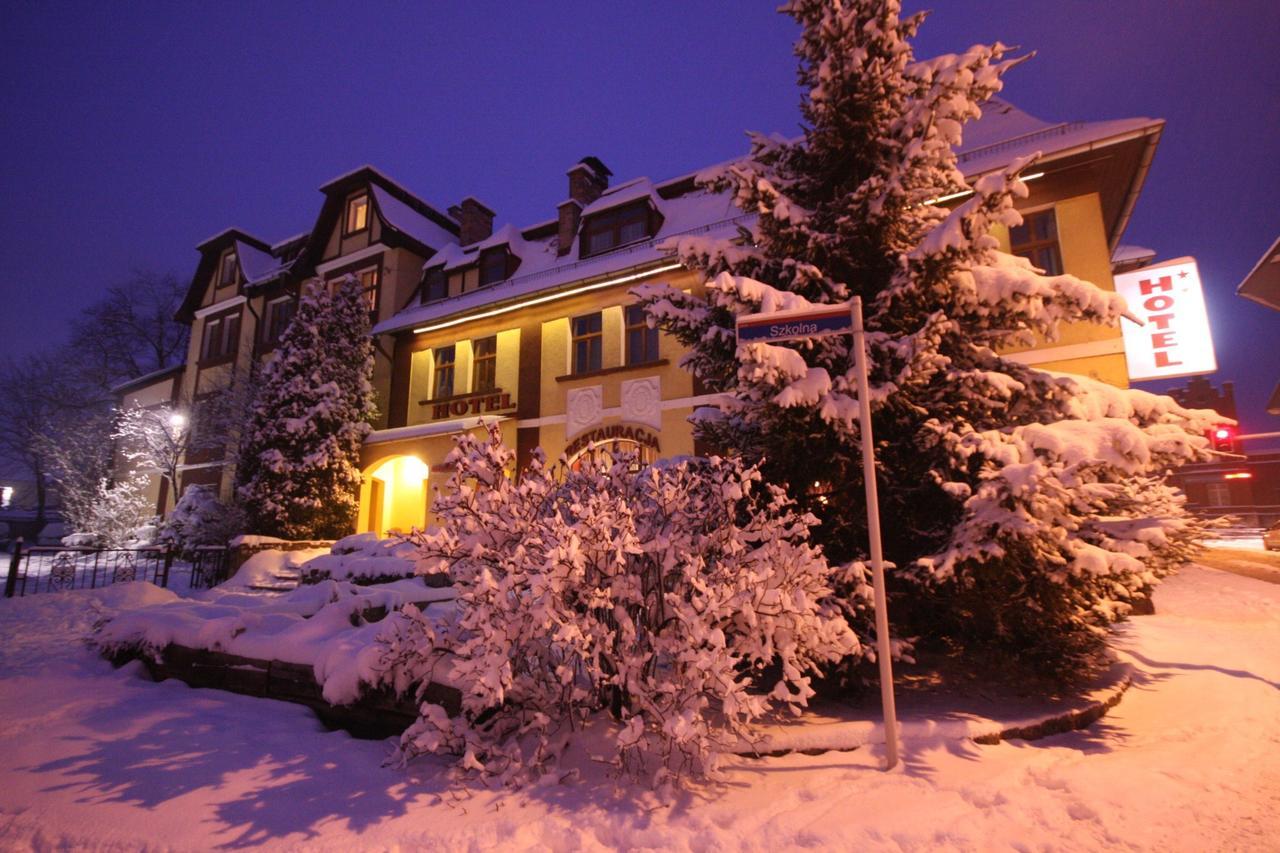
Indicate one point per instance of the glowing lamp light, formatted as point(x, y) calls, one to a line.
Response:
point(1222, 433)
point(177, 420)
point(1238, 475)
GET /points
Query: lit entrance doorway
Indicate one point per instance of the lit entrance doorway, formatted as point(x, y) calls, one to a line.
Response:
point(394, 495)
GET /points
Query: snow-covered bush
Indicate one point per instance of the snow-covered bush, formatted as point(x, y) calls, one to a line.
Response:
point(996, 478)
point(116, 515)
point(199, 518)
point(299, 469)
point(685, 598)
point(364, 559)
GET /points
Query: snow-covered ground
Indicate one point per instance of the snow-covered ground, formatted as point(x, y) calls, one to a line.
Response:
point(95, 758)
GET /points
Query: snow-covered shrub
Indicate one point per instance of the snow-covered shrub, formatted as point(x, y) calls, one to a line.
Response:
point(363, 558)
point(997, 479)
point(199, 518)
point(116, 514)
point(685, 598)
point(299, 470)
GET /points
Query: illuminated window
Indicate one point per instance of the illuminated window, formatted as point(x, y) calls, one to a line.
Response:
point(618, 227)
point(369, 286)
point(6, 497)
point(484, 354)
point(279, 313)
point(642, 341)
point(614, 449)
point(436, 285)
point(444, 373)
point(1036, 239)
point(588, 343)
point(368, 281)
point(357, 214)
point(228, 273)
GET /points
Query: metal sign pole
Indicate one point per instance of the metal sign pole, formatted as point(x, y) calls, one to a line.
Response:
point(883, 654)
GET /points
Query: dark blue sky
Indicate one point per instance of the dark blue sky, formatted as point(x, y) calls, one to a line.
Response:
point(133, 131)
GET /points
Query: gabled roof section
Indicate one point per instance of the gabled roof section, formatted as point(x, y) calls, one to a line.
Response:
point(543, 272)
point(253, 254)
point(1122, 151)
point(403, 213)
point(633, 190)
point(1262, 284)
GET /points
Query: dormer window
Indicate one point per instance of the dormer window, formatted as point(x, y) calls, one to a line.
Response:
point(435, 286)
point(618, 227)
point(495, 265)
point(357, 214)
point(227, 276)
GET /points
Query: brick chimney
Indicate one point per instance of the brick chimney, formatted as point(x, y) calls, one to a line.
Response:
point(475, 221)
point(587, 180)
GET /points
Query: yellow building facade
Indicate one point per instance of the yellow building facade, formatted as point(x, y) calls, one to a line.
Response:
point(534, 329)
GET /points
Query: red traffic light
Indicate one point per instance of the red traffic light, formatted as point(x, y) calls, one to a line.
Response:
point(1223, 438)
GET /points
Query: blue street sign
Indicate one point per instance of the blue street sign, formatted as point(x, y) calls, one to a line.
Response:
point(813, 322)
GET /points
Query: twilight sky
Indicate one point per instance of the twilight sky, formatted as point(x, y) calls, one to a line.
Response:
point(131, 132)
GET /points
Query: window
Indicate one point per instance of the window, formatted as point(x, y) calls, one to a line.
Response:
point(279, 313)
point(228, 274)
point(1219, 494)
point(357, 214)
point(6, 497)
point(221, 334)
point(1036, 239)
point(493, 265)
point(435, 286)
point(368, 282)
point(484, 353)
point(642, 342)
point(618, 227)
point(369, 286)
point(588, 343)
point(444, 373)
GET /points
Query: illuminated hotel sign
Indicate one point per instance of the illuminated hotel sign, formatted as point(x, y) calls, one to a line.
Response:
point(485, 403)
point(1174, 340)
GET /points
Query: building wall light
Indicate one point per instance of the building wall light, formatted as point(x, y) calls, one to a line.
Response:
point(551, 297)
point(1238, 475)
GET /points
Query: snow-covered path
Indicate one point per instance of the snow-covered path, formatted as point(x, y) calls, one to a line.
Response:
point(102, 759)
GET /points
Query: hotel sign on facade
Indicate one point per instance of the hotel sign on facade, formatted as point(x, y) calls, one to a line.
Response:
point(1174, 339)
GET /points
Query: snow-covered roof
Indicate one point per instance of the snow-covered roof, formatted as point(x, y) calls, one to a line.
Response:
point(632, 190)
point(146, 379)
point(1262, 284)
point(510, 236)
point(256, 264)
point(408, 221)
point(1005, 133)
point(450, 256)
point(1125, 252)
point(542, 270)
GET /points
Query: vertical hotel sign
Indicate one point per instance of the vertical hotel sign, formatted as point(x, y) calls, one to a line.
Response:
point(1174, 339)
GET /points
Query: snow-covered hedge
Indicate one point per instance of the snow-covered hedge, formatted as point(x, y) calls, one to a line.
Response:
point(685, 598)
point(363, 558)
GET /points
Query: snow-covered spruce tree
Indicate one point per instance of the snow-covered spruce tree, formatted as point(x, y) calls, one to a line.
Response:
point(685, 598)
point(1000, 484)
point(299, 470)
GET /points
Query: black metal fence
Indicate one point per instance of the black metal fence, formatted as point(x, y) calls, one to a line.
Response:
point(210, 566)
point(51, 568)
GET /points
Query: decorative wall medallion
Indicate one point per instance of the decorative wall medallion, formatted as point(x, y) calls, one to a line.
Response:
point(582, 409)
point(642, 401)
